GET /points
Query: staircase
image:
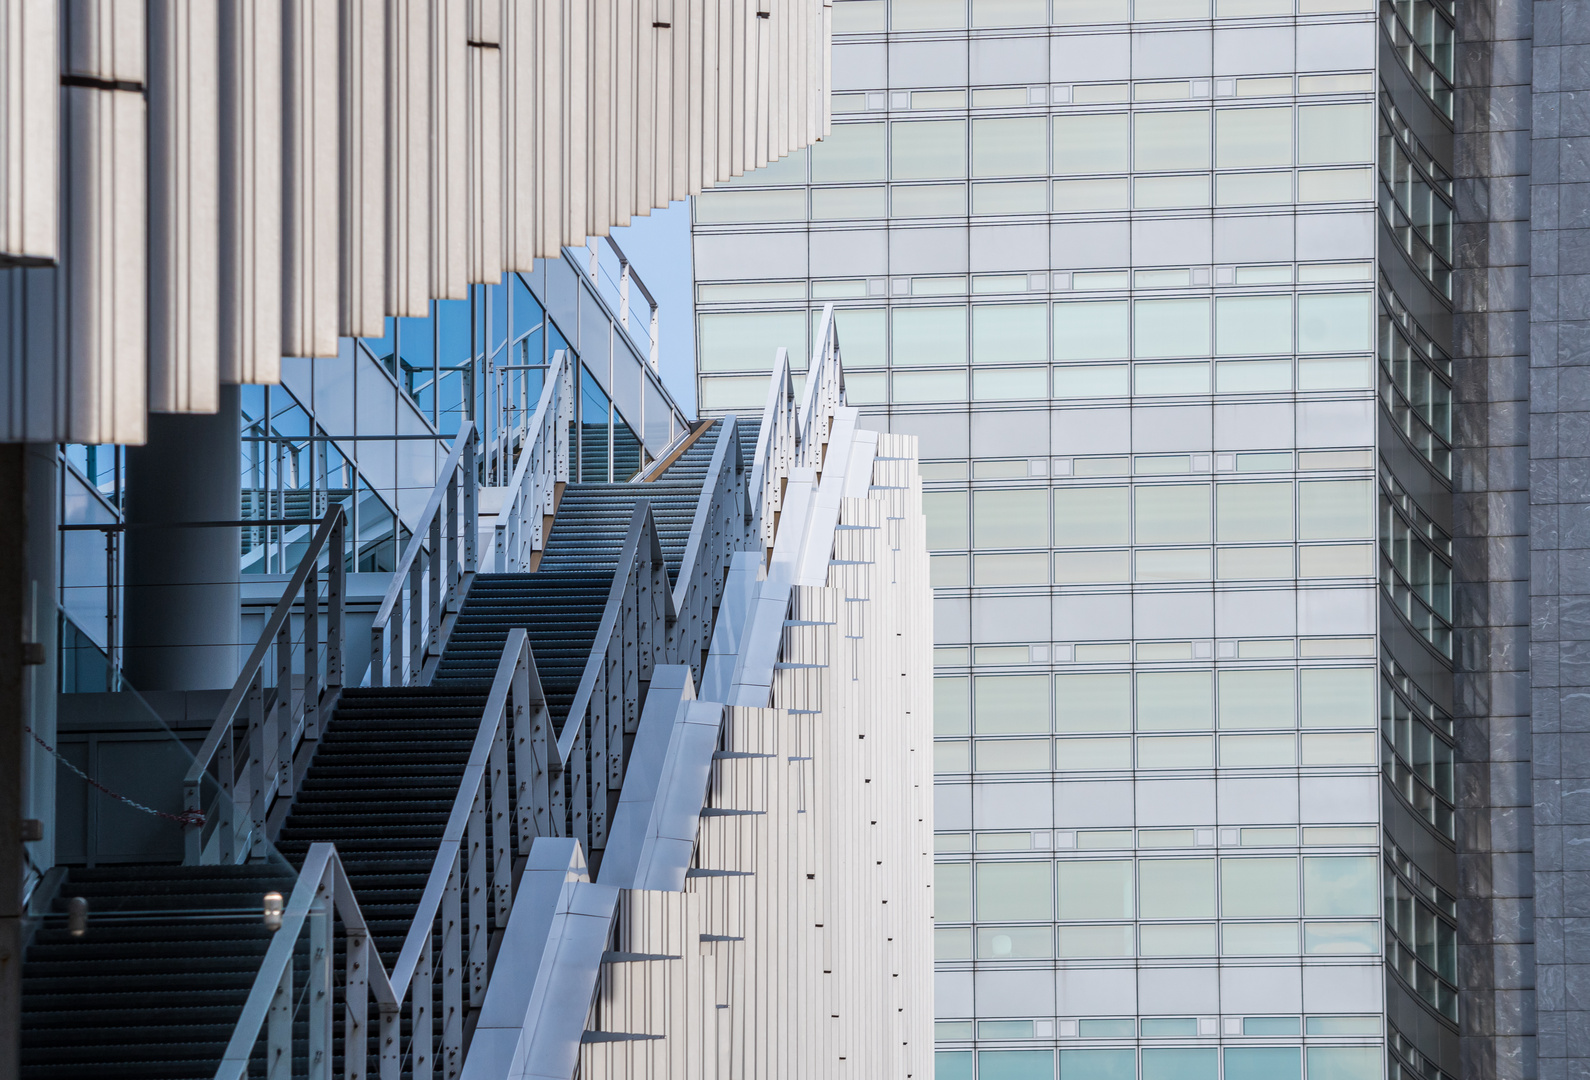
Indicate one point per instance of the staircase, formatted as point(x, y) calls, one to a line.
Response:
point(156, 987)
point(153, 989)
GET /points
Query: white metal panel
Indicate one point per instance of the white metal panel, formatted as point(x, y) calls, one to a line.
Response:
point(448, 206)
point(29, 127)
point(310, 206)
point(408, 194)
point(362, 168)
point(184, 211)
point(250, 181)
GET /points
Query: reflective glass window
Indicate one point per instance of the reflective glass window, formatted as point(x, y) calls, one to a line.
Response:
point(1263, 1063)
point(1097, 1065)
point(1341, 885)
point(1173, 514)
point(1338, 697)
point(1012, 704)
point(747, 341)
point(1090, 144)
point(1258, 888)
point(1011, 518)
point(950, 713)
point(1249, 513)
point(1091, 516)
point(1014, 1064)
point(952, 892)
point(1014, 891)
point(1095, 889)
point(1168, 700)
point(1180, 1063)
point(1253, 138)
point(1093, 702)
point(1008, 334)
point(946, 519)
point(1344, 1063)
point(928, 149)
point(1333, 322)
point(1172, 140)
point(850, 152)
point(1009, 146)
point(928, 335)
point(1166, 328)
point(1253, 324)
point(1176, 888)
point(1256, 699)
point(1332, 134)
point(1097, 330)
point(1334, 510)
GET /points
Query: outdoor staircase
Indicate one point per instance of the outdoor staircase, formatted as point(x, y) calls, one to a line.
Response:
point(153, 989)
point(156, 994)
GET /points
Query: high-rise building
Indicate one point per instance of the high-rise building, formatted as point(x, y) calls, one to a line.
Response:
point(1210, 316)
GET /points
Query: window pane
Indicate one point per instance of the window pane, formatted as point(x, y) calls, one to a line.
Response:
point(1252, 138)
point(955, 1065)
point(1090, 567)
point(928, 14)
point(859, 17)
point(1256, 699)
point(840, 203)
point(1258, 888)
point(1339, 937)
point(952, 943)
point(1333, 322)
point(1095, 702)
point(1171, 378)
point(1176, 752)
point(1258, 939)
point(1014, 891)
point(1177, 939)
point(779, 204)
point(1091, 517)
point(849, 152)
point(1165, 328)
point(1084, 942)
point(1011, 146)
point(1011, 518)
point(1173, 514)
point(1264, 1063)
point(1097, 1065)
point(929, 335)
point(1176, 888)
point(1090, 144)
point(1076, 195)
point(1169, 700)
point(1012, 755)
point(1334, 509)
point(1087, 755)
point(1338, 697)
point(1180, 1063)
point(1095, 890)
point(1010, 384)
point(1172, 140)
point(748, 341)
point(790, 169)
point(946, 519)
point(1257, 751)
point(952, 892)
point(1015, 1064)
point(1092, 331)
point(929, 200)
point(1008, 334)
point(928, 149)
point(1015, 943)
point(1253, 512)
point(1328, 134)
point(1102, 380)
point(1012, 704)
point(863, 334)
point(1339, 748)
point(1024, 197)
point(1343, 1063)
point(1010, 12)
point(1253, 324)
point(1340, 885)
point(1027, 568)
point(950, 712)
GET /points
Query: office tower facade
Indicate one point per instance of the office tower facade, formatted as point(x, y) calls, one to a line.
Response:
point(1211, 318)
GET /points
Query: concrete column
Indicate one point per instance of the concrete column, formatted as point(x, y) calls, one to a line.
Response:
point(184, 623)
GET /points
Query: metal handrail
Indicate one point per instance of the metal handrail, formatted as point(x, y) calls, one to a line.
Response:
point(486, 815)
point(456, 482)
point(518, 531)
point(273, 738)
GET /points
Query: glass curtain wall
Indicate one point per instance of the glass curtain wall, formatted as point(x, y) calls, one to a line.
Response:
point(1162, 287)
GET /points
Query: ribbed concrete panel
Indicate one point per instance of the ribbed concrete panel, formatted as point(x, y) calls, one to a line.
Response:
point(310, 207)
point(250, 210)
point(29, 127)
point(184, 198)
point(362, 166)
point(408, 239)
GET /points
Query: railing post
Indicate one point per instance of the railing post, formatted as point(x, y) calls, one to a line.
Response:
point(226, 802)
point(356, 1007)
point(416, 628)
point(336, 582)
point(433, 607)
point(391, 1063)
point(422, 1016)
point(312, 653)
point(501, 824)
point(257, 744)
point(654, 337)
point(471, 511)
point(453, 972)
point(279, 1030)
point(476, 841)
point(453, 574)
point(320, 988)
point(283, 709)
point(529, 758)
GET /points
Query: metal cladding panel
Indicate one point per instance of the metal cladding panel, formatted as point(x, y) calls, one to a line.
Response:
point(184, 210)
point(362, 168)
point(409, 126)
point(29, 127)
point(310, 205)
point(250, 208)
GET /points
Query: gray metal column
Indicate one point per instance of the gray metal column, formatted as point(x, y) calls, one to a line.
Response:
point(183, 625)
